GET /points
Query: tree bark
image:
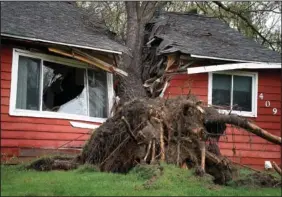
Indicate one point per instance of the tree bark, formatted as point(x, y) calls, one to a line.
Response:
point(276, 168)
point(245, 124)
point(138, 14)
point(132, 86)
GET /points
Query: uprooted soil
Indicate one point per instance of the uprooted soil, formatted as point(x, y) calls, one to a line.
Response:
point(53, 163)
point(257, 179)
point(148, 131)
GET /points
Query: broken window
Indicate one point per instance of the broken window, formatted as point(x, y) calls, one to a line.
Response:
point(50, 86)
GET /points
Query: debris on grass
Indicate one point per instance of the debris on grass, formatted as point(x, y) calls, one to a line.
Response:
point(53, 163)
point(256, 179)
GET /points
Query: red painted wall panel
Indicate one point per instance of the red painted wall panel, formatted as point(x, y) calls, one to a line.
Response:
point(18, 133)
point(249, 149)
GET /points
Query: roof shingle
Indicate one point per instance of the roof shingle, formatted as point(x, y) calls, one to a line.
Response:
point(207, 36)
point(60, 22)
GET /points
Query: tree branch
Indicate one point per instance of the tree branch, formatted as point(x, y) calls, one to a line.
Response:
point(264, 10)
point(218, 3)
point(248, 126)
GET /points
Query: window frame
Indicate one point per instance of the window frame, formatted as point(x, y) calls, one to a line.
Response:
point(254, 76)
point(13, 111)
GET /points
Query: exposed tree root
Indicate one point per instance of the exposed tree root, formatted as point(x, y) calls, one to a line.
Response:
point(174, 131)
point(276, 168)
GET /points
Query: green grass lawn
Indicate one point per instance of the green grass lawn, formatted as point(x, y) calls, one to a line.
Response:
point(85, 181)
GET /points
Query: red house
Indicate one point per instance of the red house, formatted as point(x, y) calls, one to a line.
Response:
point(47, 48)
point(203, 55)
point(56, 78)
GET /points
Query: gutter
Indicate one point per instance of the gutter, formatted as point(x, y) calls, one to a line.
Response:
point(61, 43)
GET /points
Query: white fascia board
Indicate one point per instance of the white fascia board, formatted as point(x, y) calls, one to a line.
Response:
point(220, 58)
point(83, 125)
point(205, 69)
point(61, 43)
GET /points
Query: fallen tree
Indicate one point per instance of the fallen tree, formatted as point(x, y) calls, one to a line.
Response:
point(180, 131)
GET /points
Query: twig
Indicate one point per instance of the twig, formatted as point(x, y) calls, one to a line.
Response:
point(162, 143)
point(178, 152)
point(218, 3)
point(148, 150)
point(72, 140)
point(193, 104)
point(115, 150)
point(153, 151)
point(246, 166)
point(203, 155)
point(129, 130)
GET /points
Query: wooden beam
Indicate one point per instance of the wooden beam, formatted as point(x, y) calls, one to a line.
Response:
point(92, 61)
point(170, 61)
point(78, 58)
point(100, 62)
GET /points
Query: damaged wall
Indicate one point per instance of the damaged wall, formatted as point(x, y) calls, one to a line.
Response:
point(27, 137)
point(239, 145)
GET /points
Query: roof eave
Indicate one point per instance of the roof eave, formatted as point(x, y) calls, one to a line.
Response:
point(226, 59)
point(60, 43)
point(223, 67)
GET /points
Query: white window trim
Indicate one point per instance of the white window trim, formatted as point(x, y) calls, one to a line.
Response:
point(254, 76)
point(47, 114)
point(236, 66)
point(83, 125)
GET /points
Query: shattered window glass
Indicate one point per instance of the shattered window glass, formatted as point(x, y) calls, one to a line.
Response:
point(64, 89)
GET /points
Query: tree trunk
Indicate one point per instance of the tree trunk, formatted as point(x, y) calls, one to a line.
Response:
point(132, 85)
point(138, 14)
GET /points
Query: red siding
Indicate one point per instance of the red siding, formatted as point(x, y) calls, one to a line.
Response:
point(20, 133)
point(249, 149)
point(26, 136)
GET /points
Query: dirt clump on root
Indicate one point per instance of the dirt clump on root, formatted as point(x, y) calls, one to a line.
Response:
point(53, 163)
point(147, 131)
point(258, 179)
